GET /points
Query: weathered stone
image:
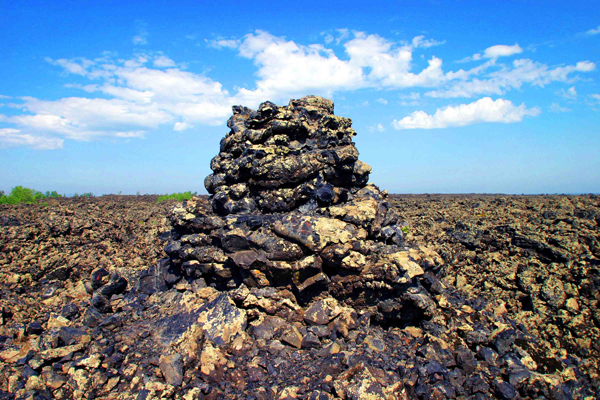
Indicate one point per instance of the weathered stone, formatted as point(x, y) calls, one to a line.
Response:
point(292, 337)
point(221, 320)
point(322, 311)
point(172, 369)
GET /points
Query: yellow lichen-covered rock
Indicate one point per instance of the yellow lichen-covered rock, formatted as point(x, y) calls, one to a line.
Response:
point(361, 212)
point(406, 263)
point(221, 320)
point(317, 232)
point(212, 362)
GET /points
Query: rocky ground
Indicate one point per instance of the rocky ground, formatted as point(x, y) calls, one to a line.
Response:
point(515, 311)
point(537, 256)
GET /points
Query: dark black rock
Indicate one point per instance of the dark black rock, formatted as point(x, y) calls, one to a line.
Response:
point(34, 328)
point(70, 311)
point(117, 285)
point(101, 303)
point(98, 277)
point(505, 390)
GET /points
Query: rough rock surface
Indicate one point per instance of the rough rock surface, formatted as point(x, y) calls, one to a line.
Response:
point(349, 297)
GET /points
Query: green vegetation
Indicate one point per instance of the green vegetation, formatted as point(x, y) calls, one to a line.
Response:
point(20, 194)
point(404, 229)
point(88, 194)
point(177, 196)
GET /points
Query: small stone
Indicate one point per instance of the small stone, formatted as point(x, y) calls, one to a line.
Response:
point(92, 361)
point(34, 328)
point(172, 369)
point(212, 362)
point(329, 350)
point(99, 277)
point(375, 343)
point(310, 340)
point(293, 337)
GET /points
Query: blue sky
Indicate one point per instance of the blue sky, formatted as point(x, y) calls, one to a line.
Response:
point(446, 96)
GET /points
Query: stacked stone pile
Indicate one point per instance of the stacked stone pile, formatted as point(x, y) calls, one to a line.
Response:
point(292, 208)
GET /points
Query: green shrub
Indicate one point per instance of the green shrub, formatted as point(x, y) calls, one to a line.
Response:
point(20, 194)
point(176, 196)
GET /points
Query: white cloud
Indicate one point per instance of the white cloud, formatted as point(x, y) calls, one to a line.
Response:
point(420, 41)
point(343, 34)
point(286, 68)
point(4, 97)
point(494, 52)
point(570, 93)
point(13, 137)
point(181, 126)
point(522, 71)
point(382, 101)
point(483, 110)
point(223, 43)
point(410, 99)
point(388, 65)
point(593, 31)
point(139, 39)
point(555, 107)
point(502, 50)
point(163, 62)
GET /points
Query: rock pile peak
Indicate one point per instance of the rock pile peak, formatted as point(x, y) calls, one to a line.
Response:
point(277, 159)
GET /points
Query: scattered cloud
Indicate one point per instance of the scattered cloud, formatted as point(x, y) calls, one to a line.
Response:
point(421, 42)
point(557, 108)
point(494, 52)
point(223, 43)
point(327, 37)
point(513, 77)
point(376, 128)
point(4, 97)
point(128, 98)
point(592, 32)
point(502, 50)
point(343, 34)
point(483, 110)
point(142, 33)
point(410, 99)
point(163, 62)
point(181, 126)
point(570, 93)
point(14, 137)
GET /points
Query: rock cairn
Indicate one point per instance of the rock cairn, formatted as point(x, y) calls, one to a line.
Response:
point(292, 208)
